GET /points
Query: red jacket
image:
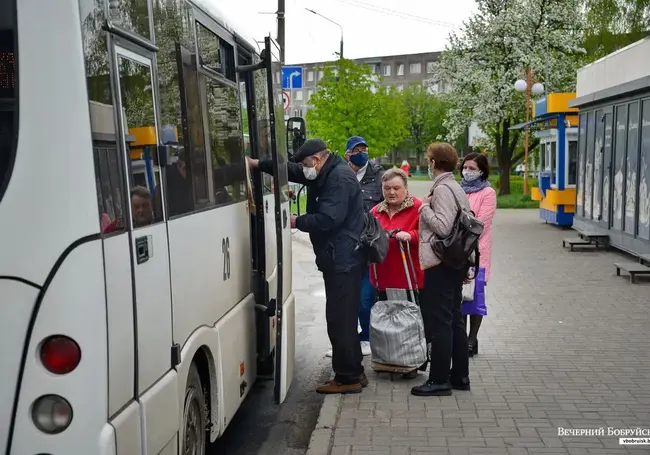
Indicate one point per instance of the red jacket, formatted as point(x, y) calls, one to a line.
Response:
point(390, 273)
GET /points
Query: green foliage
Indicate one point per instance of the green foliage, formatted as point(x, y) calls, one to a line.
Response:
point(350, 102)
point(613, 24)
point(493, 49)
point(425, 114)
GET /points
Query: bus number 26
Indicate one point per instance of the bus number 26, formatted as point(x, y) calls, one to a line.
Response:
point(225, 250)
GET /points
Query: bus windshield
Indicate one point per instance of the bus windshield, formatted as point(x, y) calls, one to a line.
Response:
point(8, 92)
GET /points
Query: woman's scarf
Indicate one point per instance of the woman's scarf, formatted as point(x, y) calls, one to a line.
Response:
point(474, 186)
point(407, 203)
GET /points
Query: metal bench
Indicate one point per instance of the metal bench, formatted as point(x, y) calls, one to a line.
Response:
point(597, 238)
point(633, 268)
point(576, 241)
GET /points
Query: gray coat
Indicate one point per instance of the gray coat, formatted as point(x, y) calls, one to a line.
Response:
point(437, 218)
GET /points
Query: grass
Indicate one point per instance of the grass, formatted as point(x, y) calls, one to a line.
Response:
point(516, 201)
point(510, 201)
point(302, 202)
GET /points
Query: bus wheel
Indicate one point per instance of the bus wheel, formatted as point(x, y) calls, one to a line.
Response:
point(194, 415)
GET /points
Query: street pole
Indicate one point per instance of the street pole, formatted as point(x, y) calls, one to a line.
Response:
point(335, 23)
point(281, 12)
point(529, 81)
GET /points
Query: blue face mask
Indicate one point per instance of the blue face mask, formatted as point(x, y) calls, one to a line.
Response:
point(430, 173)
point(360, 159)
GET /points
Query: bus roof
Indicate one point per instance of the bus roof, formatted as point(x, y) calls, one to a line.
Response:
point(234, 23)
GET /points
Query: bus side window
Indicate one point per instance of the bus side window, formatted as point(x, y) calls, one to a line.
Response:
point(263, 124)
point(223, 115)
point(111, 193)
point(185, 180)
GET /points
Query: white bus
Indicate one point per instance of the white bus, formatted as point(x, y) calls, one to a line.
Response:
point(145, 279)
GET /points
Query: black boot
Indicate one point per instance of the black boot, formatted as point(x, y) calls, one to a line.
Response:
point(431, 389)
point(472, 344)
point(459, 384)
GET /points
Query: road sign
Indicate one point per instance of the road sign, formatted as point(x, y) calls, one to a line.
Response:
point(286, 100)
point(291, 77)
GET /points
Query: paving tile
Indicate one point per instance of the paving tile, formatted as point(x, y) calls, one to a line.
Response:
point(564, 345)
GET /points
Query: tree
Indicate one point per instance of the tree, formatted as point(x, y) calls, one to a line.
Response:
point(425, 113)
point(613, 24)
point(350, 102)
point(494, 49)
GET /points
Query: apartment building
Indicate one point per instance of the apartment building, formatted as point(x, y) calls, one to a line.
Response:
point(398, 71)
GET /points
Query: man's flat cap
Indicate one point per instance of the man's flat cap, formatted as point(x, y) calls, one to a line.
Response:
point(309, 148)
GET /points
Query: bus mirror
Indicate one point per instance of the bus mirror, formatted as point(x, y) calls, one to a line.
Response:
point(297, 134)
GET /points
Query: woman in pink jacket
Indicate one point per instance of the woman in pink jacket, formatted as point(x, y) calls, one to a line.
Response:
point(483, 202)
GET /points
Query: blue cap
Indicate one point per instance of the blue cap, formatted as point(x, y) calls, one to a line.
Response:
point(354, 141)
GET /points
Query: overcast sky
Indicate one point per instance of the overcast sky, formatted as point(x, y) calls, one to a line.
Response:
point(370, 27)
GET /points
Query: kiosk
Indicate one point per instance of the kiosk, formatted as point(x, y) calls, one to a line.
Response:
point(557, 130)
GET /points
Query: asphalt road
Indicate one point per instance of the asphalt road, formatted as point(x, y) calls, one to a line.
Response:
point(262, 428)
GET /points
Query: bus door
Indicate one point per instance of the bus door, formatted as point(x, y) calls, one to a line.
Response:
point(138, 125)
point(285, 308)
point(254, 94)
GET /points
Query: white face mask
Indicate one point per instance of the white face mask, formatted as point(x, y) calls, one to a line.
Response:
point(310, 172)
point(470, 176)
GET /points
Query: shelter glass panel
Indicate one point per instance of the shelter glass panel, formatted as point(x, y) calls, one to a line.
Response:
point(631, 164)
point(589, 163)
point(582, 153)
point(607, 166)
point(598, 168)
point(619, 166)
point(644, 174)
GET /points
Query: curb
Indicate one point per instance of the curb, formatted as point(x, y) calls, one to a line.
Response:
point(301, 237)
point(320, 442)
point(322, 437)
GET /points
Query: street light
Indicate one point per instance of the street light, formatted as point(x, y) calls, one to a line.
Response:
point(335, 23)
point(529, 88)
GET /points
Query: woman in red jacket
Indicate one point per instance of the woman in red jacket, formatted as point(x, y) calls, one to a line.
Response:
point(399, 210)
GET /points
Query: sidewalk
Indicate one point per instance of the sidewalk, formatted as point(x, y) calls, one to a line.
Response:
point(565, 344)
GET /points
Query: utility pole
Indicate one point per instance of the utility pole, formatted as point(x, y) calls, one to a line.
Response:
point(281, 29)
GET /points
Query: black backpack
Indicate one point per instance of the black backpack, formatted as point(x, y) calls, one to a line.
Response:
point(456, 249)
point(373, 240)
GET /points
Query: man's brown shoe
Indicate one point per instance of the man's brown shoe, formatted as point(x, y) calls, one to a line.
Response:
point(331, 387)
point(363, 380)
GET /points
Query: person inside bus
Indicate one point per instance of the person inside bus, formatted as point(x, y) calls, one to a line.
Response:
point(141, 209)
point(178, 189)
point(141, 206)
point(227, 174)
point(334, 221)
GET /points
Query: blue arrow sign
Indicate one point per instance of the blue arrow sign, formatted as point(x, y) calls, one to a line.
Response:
point(292, 77)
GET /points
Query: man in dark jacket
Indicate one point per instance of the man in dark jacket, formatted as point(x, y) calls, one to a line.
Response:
point(369, 176)
point(334, 221)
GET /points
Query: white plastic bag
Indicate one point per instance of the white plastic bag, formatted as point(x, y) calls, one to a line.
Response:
point(468, 291)
point(397, 334)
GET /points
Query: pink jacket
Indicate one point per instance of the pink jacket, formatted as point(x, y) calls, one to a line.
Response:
point(484, 204)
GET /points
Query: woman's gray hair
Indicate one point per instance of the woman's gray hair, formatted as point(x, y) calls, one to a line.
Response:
point(390, 174)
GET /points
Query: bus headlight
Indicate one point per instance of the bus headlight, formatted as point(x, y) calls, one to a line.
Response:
point(51, 414)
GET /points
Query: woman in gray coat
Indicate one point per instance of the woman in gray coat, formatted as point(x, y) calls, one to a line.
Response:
point(441, 300)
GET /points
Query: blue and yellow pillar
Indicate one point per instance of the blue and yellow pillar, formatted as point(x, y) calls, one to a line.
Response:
point(557, 198)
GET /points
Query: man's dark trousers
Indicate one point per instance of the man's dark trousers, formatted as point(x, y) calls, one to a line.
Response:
point(343, 294)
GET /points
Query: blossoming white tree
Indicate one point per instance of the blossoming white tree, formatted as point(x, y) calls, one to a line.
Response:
point(503, 40)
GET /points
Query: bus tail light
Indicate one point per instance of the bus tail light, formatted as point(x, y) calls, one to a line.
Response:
point(51, 414)
point(60, 354)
